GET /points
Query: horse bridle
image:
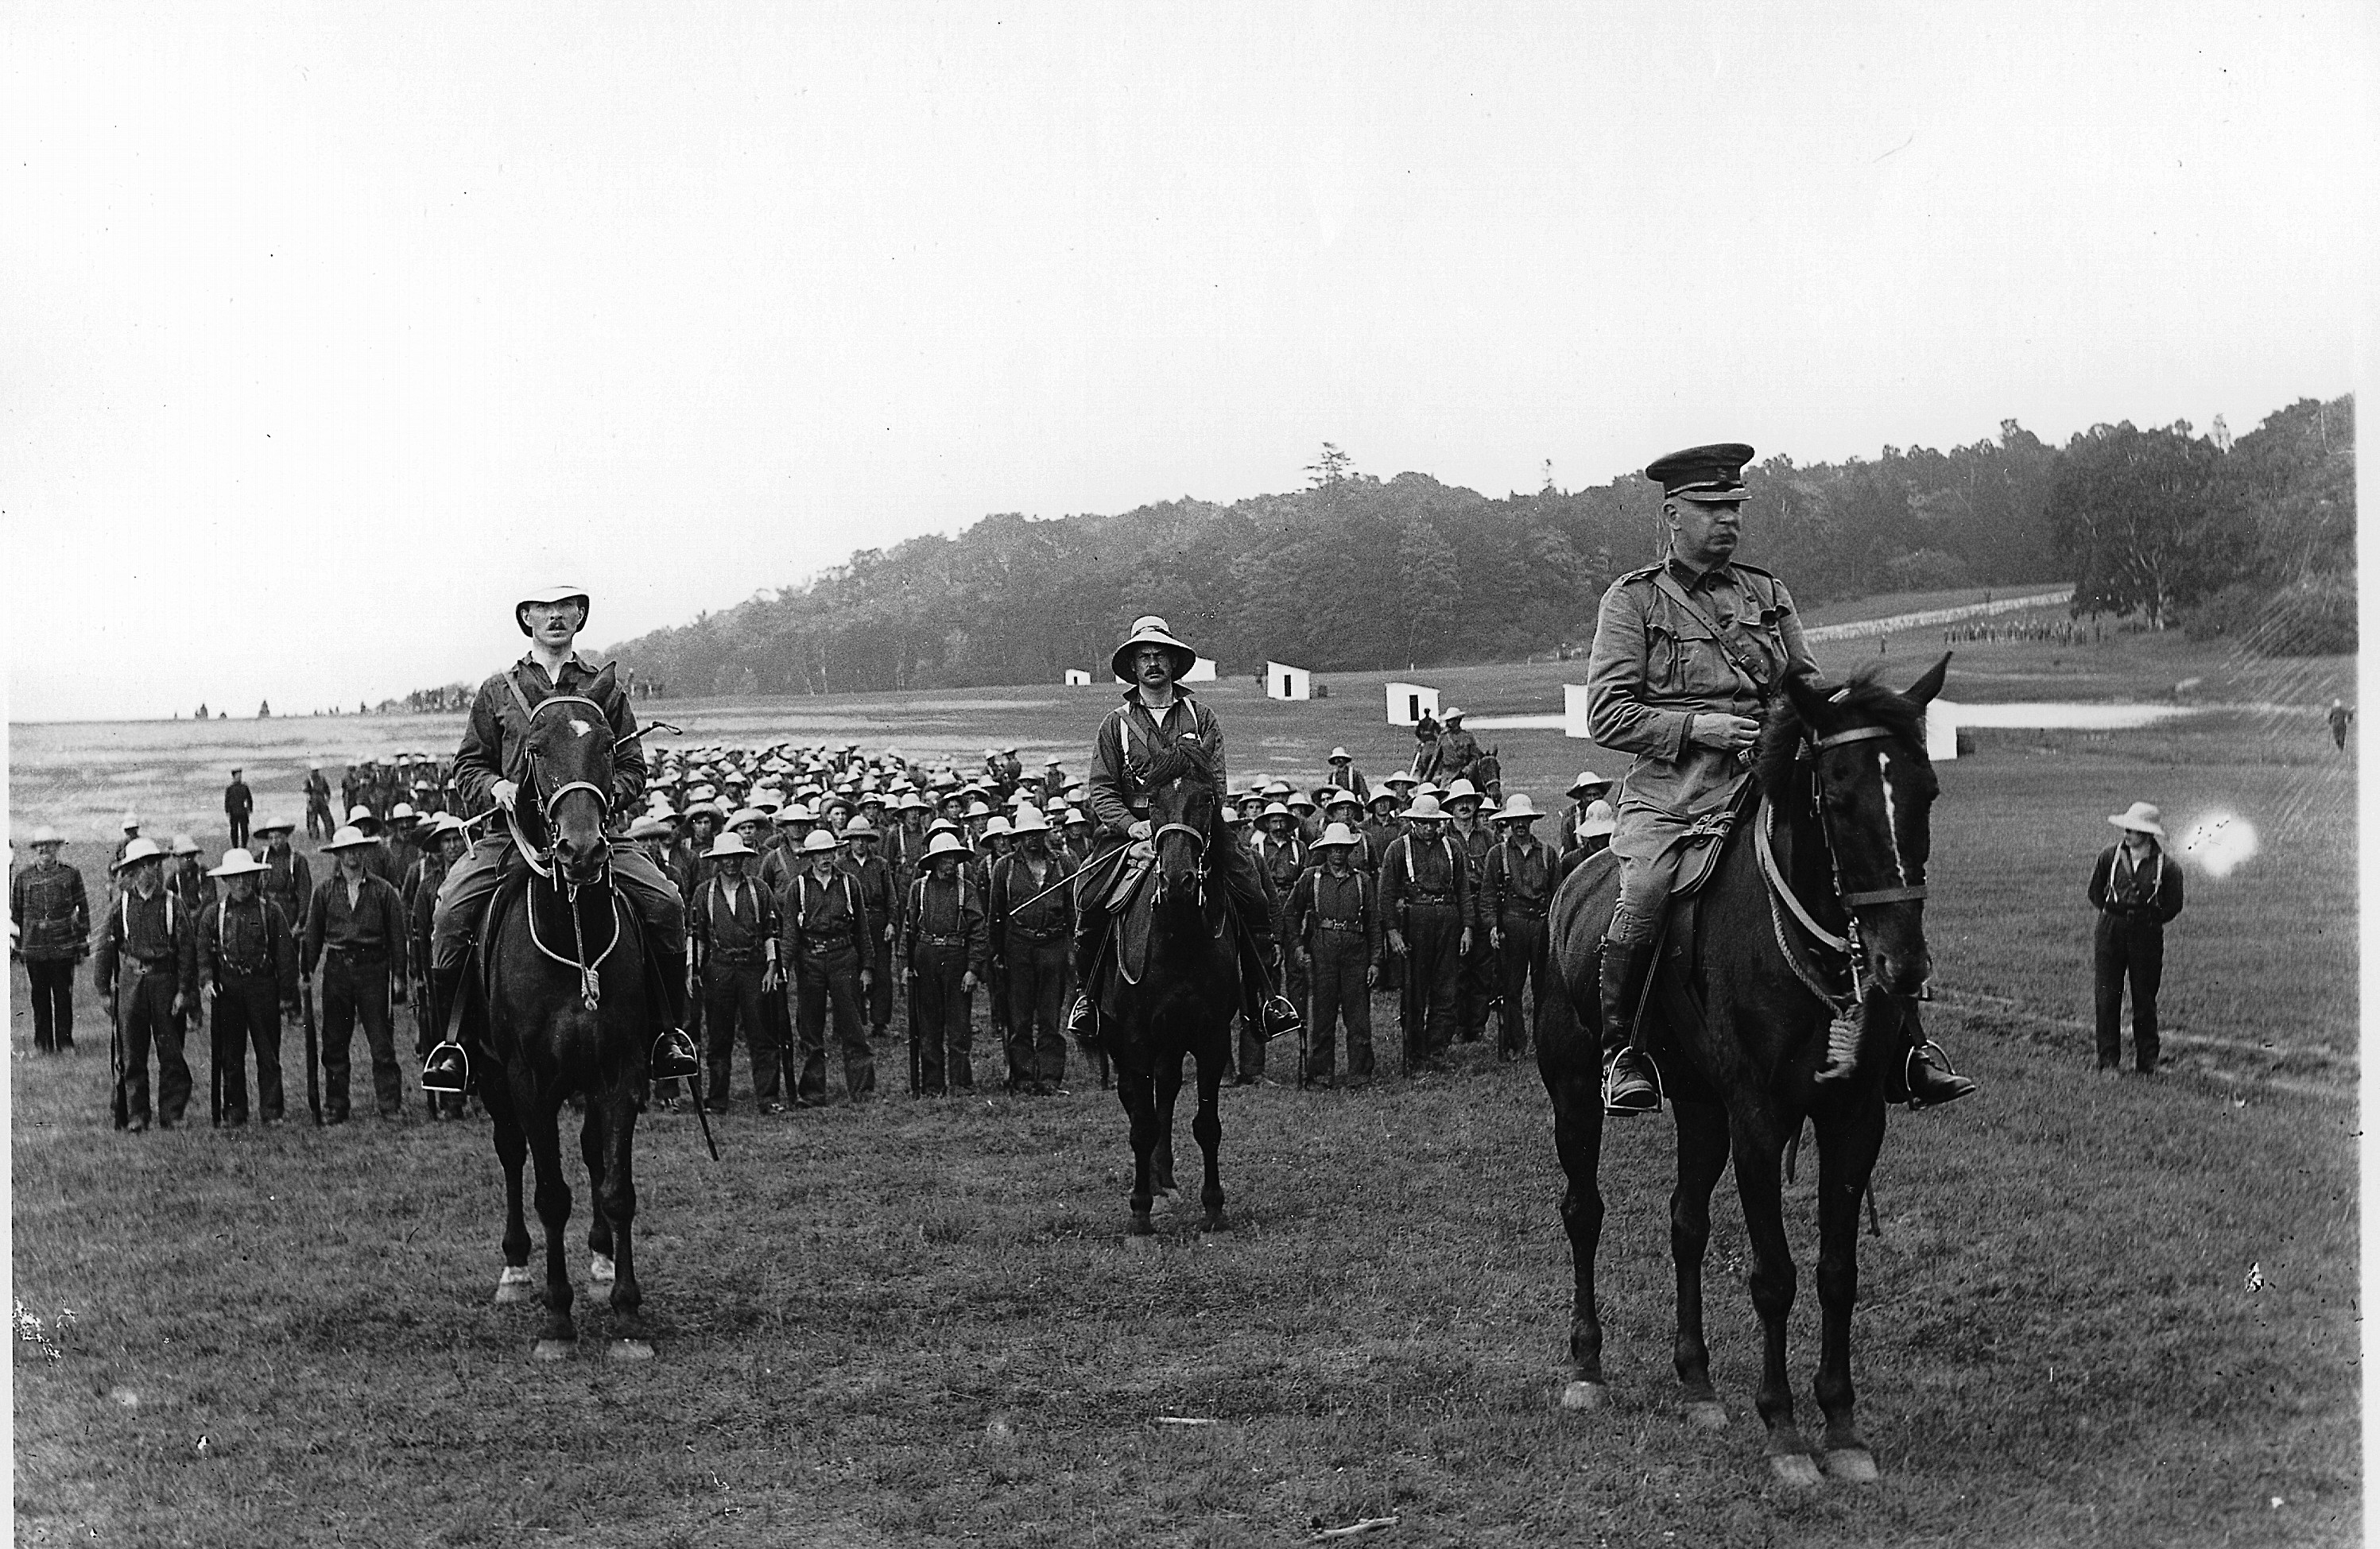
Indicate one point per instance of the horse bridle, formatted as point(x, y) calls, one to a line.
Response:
point(589, 977)
point(1906, 894)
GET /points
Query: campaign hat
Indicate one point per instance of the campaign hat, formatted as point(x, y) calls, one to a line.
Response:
point(728, 843)
point(237, 862)
point(1335, 835)
point(349, 837)
point(2141, 818)
point(140, 850)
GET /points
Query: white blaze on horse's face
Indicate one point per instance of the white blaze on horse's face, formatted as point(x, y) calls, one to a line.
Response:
point(1891, 814)
point(579, 728)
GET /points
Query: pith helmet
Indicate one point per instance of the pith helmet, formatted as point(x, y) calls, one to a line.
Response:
point(1151, 630)
point(1520, 809)
point(347, 837)
point(237, 862)
point(946, 845)
point(1030, 820)
point(2141, 818)
point(818, 842)
point(729, 843)
point(560, 592)
point(1337, 834)
point(140, 850)
point(1424, 808)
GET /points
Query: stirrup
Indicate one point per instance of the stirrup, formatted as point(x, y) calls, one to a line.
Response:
point(448, 1069)
point(1843, 1048)
point(1945, 1085)
point(1627, 1091)
point(1279, 1015)
point(674, 1056)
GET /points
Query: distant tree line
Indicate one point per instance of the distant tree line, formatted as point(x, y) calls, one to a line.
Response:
point(2253, 541)
point(1354, 571)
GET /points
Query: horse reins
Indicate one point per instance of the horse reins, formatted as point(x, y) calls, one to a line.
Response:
point(1905, 894)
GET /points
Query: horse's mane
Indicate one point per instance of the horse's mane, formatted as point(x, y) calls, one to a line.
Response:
point(1861, 695)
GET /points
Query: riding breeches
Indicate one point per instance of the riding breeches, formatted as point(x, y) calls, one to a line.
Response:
point(1647, 844)
point(463, 899)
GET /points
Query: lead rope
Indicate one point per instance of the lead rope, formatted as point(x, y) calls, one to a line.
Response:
point(590, 986)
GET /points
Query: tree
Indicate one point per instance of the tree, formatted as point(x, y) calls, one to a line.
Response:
point(2130, 514)
point(1329, 470)
point(1427, 590)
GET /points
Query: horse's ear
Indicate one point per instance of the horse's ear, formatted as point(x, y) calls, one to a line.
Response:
point(1922, 692)
point(605, 681)
point(1808, 698)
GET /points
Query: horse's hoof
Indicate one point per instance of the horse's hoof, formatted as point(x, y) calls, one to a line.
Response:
point(1795, 1469)
point(555, 1350)
point(1214, 1221)
point(1141, 1226)
point(515, 1284)
point(599, 1271)
point(1584, 1396)
point(1705, 1414)
point(1852, 1465)
point(630, 1349)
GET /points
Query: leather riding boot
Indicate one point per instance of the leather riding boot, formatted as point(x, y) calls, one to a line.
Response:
point(447, 1069)
point(1082, 1016)
point(1627, 1085)
point(674, 1056)
point(1919, 1082)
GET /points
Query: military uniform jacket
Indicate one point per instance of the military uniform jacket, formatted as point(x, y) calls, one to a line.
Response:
point(822, 917)
point(1427, 872)
point(1045, 920)
point(1282, 861)
point(1457, 751)
point(153, 935)
point(944, 914)
point(239, 802)
point(1117, 788)
point(1517, 880)
point(1348, 904)
point(1657, 664)
point(248, 942)
point(734, 932)
point(317, 788)
point(1474, 843)
point(495, 743)
point(874, 875)
point(52, 912)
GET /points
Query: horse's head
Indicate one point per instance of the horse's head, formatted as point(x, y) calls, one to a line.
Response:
point(568, 792)
point(1871, 790)
point(1183, 804)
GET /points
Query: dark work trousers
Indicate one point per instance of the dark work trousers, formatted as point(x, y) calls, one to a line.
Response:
point(1037, 1008)
point(1479, 982)
point(880, 994)
point(2125, 947)
point(1433, 962)
point(52, 987)
point(824, 979)
point(248, 1014)
point(145, 1002)
point(1338, 961)
point(995, 1010)
point(239, 831)
point(356, 987)
point(938, 1020)
point(1524, 955)
point(319, 822)
point(732, 998)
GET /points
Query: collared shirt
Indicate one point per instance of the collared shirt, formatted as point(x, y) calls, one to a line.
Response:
point(249, 940)
point(1128, 737)
point(362, 919)
point(1518, 878)
point(733, 917)
point(287, 881)
point(2119, 886)
point(1656, 665)
point(156, 933)
point(1435, 866)
point(822, 915)
point(950, 910)
point(1013, 881)
point(52, 912)
point(495, 738)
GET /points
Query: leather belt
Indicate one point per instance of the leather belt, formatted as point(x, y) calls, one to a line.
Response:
point(357, 954)
point(942, 940)
point(1526, 911)
point(154, 964)
point(1431, 901)
point(1353, 925)
point(1039, 938)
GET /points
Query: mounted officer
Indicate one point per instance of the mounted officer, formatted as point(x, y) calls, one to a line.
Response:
point(1160, 715)
point(489, 767)
point(1687, 654)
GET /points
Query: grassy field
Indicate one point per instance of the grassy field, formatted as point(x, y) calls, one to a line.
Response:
point(920, 1323)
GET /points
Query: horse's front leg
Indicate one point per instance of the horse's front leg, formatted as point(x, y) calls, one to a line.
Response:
point(1136, 1092)
point(1207, 1126)
point(1577, 1092)
point(616, 1201)
point(561, 1336)
point(1169, 1089)
point(598, 1223)
point(1702, 1156)
point(1847, 1145)
point(512, 1151)
point(1759, 1151)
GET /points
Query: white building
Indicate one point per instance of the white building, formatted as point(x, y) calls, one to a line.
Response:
point(1077, 678)
point(1574, 710)
point(1408, 702)
point(1284, 682)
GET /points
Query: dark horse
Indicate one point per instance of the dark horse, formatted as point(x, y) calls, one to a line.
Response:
point(1180, 998)
point(569, 1007)
point(1846, 780)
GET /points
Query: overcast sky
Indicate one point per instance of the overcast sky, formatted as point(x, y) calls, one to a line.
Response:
point(327, 328)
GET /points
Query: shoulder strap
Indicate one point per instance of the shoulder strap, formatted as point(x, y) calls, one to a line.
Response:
point(528, 711)
point(1677, 594)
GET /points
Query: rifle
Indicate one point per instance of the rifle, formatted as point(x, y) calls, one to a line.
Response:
point(115, 1052)
point(314, 1077)
point(215, 1062)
